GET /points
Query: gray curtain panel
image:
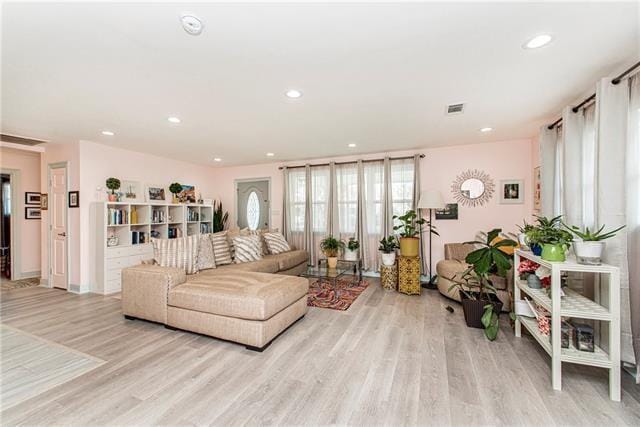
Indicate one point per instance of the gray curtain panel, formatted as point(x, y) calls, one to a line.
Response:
point(547, 140)
point(361, 220)
point(308, 222)
point(424, 237)
point(387, 205)
point(332, 207)
point(285, 205)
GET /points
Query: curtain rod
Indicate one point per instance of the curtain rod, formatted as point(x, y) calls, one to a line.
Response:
point(615, 81)
point(351, 162)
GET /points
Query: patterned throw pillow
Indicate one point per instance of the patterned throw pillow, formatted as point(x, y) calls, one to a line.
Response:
point(206, 258)
point(276, 243)
point(221, 251)
point(247, 249)
point(178, 253)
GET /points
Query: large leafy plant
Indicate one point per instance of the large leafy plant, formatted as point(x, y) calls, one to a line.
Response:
point(588, 235)
point(409, 224)
point(220, 217)
point(331, 246)
point(548, 231)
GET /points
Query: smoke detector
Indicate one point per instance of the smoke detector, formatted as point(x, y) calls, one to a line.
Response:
point(191, 24)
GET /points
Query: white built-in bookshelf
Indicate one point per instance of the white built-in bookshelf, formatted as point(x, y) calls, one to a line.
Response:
point(124, 231)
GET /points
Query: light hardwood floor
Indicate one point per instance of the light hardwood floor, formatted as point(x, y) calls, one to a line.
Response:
point(390, 359)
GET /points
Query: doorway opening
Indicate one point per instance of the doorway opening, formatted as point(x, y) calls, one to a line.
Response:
point(253, 207)
point(5, 227)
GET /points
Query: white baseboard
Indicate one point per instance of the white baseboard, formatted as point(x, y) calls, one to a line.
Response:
point(44, 282)
point(28, 275)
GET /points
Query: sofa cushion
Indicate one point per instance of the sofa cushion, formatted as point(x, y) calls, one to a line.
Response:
point(247, 249)
point(276, 243)
point(221, 251)
point(251, 296)
point(264, 265)
point(181, 252)
point(287, 260)
point(206, 259)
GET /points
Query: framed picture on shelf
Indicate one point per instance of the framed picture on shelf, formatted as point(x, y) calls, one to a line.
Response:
point(31, 198)
point(450, 211)
point(188, 194)
point(74, 199)
point(32, 213)
point(511, 191)
point(155, 193)
point(131, 191)
point(44, 201)
point(537, 195)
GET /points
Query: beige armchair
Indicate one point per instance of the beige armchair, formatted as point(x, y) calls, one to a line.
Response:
point(454, 265)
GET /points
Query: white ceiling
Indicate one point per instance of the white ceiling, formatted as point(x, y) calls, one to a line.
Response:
point(378, 75)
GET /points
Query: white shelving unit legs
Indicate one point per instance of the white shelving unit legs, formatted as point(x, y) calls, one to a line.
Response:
point(573, 305)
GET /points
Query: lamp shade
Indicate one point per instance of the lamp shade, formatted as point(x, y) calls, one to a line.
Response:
point(431, 199)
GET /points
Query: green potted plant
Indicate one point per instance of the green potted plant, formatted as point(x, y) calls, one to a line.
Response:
point(220, 217)
point(175, 189)
point(388, 246)
point(480, 305)
point(409, 230)
point(524, 229)
point(331, 247)
point(591, 246)
point(113, 184)
point(548, 240)
point(351, 251)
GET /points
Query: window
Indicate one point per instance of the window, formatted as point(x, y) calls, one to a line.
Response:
point(374, 187)
point(347, 197)
point(253, 211)
point(297, 198)
point(319, 198)
point(401, 186)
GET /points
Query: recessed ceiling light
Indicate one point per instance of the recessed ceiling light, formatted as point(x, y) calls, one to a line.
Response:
point(174, 119)
point(191, 24)
point(293, 94)
point(352, 145)
point(217, 159)
point(108, 133)
point(538, 41)
point(486, 129)
point(270, 154)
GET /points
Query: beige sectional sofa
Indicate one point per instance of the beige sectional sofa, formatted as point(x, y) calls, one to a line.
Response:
point(249, 303)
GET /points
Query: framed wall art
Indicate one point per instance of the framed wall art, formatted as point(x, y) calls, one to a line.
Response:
point(31, 198)
point(512, 191)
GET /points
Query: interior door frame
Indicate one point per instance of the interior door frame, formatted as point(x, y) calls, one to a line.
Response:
point(50, 167)
point(15, 232)
point(235, 196)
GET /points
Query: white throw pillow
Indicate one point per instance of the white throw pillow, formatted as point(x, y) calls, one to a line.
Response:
point(221, 251)
point(247, 248)
point(206, 258)
point(181, 252)
point(276, 243)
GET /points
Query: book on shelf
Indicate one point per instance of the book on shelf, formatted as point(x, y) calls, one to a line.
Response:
point(117, 216)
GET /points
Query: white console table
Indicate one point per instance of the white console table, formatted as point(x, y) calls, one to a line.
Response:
point(573, 305)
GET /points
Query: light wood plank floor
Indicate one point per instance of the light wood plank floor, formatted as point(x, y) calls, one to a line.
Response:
point(390, 359)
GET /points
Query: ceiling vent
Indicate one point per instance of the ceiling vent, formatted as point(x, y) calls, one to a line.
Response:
point(20, 140)
point(455, 108)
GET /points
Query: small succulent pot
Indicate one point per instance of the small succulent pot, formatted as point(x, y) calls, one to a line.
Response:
point(388, 259)
point(534, 282)
point(536, 249)
point(554, 252)
point(589, 253)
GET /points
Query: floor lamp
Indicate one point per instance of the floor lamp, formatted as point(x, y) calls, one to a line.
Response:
point(430, 199)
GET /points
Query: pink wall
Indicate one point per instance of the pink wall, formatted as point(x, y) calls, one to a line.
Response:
point(28, 163)
point(501, 160)
point(99, 162)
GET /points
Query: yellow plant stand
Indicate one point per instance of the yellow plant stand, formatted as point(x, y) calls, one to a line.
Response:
point(409, 275)
point(389, 277)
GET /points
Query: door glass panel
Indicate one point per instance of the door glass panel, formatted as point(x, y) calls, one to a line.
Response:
point(253, 211)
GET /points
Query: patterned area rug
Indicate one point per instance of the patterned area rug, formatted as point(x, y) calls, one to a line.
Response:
point(8, 285)
point(323, 294)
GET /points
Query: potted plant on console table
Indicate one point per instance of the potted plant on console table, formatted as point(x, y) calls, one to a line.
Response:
point(480, 305)
point(548, 240)
point(351, 251)
point(331, 247)
point(589, 250)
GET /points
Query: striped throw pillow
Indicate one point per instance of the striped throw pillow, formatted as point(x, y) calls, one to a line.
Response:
point(247, 249)
point(276, 243)
point(178, 253)
point(221, 251)
point(206, 258)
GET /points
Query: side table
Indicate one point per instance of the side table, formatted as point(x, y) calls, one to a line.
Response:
point(409, 275)
point(389, 277)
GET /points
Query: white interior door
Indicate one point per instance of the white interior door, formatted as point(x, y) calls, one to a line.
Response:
point(58, 206)
point(253, 204)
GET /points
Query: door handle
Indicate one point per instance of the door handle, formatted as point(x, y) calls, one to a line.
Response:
point(63, 234)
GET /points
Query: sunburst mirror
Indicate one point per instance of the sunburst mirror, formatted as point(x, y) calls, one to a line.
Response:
point(473, 188)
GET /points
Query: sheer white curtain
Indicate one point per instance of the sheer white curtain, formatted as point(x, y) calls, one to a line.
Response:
point(402, 184)
point(373, 194)
point(320, 189)
point(633, 210)
point(295, 188)
point(548, 147)
point(589, 166)
point(347, 200)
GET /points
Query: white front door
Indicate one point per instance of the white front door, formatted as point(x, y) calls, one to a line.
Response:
point(58, 206)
